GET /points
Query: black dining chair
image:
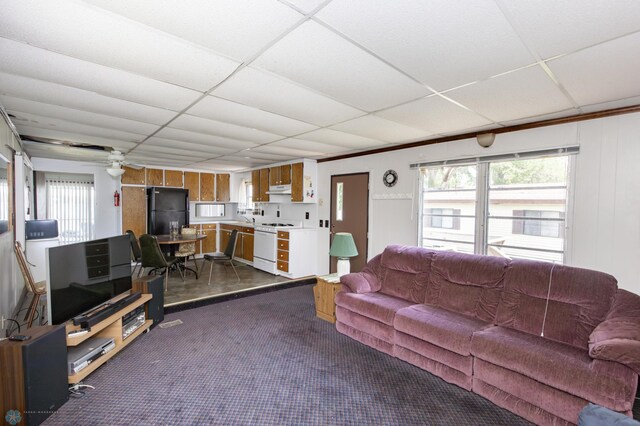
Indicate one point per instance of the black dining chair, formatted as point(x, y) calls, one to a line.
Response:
point(152, 257)
point(136, 253)
point(227, 256)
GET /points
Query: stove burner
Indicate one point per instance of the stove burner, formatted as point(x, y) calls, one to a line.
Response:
point(276, 224)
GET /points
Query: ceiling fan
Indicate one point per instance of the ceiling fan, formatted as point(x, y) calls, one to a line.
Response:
point(116, 161)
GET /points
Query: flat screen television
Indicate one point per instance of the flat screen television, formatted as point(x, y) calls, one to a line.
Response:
point(85, 275)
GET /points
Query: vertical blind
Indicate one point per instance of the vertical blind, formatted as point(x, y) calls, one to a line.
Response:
point(70, 200)
point(4, 198)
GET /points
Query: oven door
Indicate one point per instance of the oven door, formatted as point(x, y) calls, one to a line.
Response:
point(264, 246)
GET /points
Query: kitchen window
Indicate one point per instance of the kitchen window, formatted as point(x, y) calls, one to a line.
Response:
point(512, 206)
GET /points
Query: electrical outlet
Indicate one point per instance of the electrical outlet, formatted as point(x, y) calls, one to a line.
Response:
point(326, 223)
point(278, 213)
point(320, 223)
point(306, 215)
point(261, 212)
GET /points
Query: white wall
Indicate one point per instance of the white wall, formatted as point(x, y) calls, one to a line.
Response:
point(107, 216)
point(604, 222)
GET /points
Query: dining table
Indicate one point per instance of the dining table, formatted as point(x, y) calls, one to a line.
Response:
point(174, 241)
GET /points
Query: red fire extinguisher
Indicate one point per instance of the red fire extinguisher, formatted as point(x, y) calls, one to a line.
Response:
point(116, 199)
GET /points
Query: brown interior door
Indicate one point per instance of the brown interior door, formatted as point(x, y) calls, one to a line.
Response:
point(350, 213)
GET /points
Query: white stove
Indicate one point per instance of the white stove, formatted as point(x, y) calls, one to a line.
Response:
point(265, 243)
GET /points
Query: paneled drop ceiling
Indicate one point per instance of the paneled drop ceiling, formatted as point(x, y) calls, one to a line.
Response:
point(235, 84)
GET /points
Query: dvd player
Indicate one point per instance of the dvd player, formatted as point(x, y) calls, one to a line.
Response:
point(79, 357)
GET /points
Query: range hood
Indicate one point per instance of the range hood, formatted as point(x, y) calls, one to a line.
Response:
point(279, 190)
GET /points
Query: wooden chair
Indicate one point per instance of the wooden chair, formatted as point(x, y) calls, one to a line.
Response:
point(187, 249)
point(227, 256)
point(37, 289)
point(152, 257)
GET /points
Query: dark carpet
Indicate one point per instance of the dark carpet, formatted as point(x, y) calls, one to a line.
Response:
point(267, 359)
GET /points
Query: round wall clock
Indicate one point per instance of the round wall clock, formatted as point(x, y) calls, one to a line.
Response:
point(390, 178)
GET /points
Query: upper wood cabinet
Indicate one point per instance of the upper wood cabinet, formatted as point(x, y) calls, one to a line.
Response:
point(280, 175)
point(297, 182)
point(133, 176)
point(206, 186)
point(173, 178)
point(223, 192)
point(192, 183)
point(264, 185)
point(255, 183)
point(155, 177)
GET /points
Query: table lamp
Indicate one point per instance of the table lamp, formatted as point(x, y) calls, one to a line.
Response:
point(343, 247)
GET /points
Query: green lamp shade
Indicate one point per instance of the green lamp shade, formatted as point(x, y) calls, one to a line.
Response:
point(343, 245)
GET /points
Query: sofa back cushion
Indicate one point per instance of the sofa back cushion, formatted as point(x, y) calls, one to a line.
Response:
point(405, 272)
point(466, 283)
point(579, 300)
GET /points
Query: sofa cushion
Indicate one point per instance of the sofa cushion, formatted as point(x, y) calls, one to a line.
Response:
point(449, 330)
point(405, 272)
point(466, 283)
point(377, 306)
point(367, 280)
point(561, 366)
point(578, 300)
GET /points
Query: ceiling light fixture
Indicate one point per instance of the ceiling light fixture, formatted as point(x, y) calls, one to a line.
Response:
point(485, 140)
point(115, 170)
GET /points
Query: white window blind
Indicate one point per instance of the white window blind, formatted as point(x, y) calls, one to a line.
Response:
point(71, 200)
point(4, 197)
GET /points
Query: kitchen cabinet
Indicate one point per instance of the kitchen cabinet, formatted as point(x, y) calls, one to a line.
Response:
point(297, 182)
point(222, 187)
point(244, 243)
point(207, 185)
point(293, 257)
point(173, 178)
point(247, 244)
point(155, 177)
point(255, 183)
point(264, 185)
point(133, 176)
point(134, 209)
point(192, 183)
point(280, 175)
point(209, 243)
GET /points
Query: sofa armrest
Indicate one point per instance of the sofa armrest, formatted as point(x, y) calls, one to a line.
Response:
point(358, 282)
point(617, 338)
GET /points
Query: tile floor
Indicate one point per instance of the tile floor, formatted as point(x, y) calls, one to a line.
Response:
point(223, 282)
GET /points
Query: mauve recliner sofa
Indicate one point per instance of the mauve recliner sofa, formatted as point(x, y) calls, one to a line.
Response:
point(538, 339)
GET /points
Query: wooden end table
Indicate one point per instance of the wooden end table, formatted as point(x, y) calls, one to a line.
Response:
point(324, 293)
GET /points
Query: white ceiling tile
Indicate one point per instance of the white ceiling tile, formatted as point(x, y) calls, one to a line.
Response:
point(93, 34)
point(218, 128)
point(542, 117)
point(371, 126)
point(316, 57)
point(270, 93)
point(602, 73)
point(63, 152)
point(204, 139)
point(262, 156)
point(245, 160)
point(347, 140)
point(29, 61)
point(217, 165)
point(177, 152)
point(442, 43)
point(292, 153)
point(434, 114)
point(48, 123)
point(55, 94)
point(72, 137)
point(524, 93)
point(187, 146)
point(235, 28)
point(231, 112)
point(312, 146)
point(555, 27)
point(621, 103)
point(18, 105)
point(142, 153)
point(305, 5)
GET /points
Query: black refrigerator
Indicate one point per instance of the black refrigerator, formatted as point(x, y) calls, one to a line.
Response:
point(166, 205)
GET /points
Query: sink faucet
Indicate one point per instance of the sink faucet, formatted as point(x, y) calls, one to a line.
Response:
point(247, 219)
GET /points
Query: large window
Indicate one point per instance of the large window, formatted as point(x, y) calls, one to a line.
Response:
point(71, 201)
point(514, 208)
